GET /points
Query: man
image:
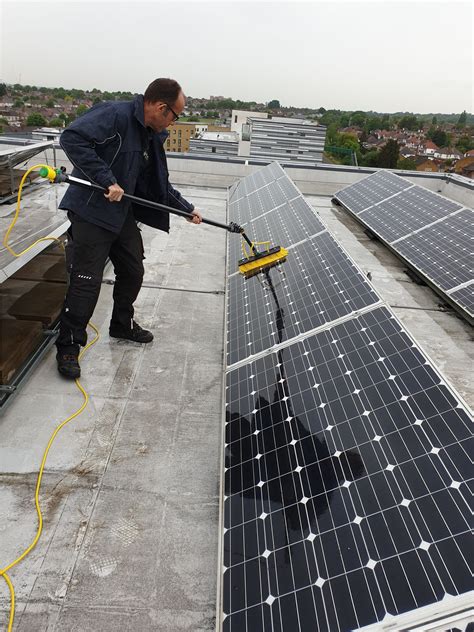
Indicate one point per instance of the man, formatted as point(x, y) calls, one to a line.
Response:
point(118, 145)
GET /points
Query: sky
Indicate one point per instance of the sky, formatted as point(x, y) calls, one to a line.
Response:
point(393, 56)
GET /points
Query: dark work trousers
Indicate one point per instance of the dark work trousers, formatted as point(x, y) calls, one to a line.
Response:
point(86, 257)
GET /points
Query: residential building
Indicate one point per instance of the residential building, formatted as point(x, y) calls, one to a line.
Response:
point(447, 153)
point(429, 148)
point(425, 164)
point(179, 136)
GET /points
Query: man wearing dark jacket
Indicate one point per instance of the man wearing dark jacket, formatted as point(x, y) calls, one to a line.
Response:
point(118, 145)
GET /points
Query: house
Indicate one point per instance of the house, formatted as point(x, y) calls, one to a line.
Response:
point(407, 152)
point(468, 171)
point(446, 153)
point(425, 164)
point(463, 164)
point(429, 148)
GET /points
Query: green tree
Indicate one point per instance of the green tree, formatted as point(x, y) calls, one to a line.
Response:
point(385, 123)
point(3, 89)
point(56, 122)
point(81, 109)
point(50, 103)
point(438, 136)
point(274, 104)
point(409, 122)
point(97, 100)
point(406, 163)
point(388, 156)
point(465, 143)
point(358, 118)
point(462, 120)
point(434, 121)
point(3, 121)
point(18, 103)
point(35, 119)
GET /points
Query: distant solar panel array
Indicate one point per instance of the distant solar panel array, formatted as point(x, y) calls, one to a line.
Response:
point(434, 235)
point(346, 454)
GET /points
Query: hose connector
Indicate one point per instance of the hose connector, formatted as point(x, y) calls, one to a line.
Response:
point(53, 175)
point(48, 172)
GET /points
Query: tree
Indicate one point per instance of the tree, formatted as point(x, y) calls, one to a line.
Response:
point(56, 122)
point(462, 120)
point(438, 136)
point(357, 118)
point(465, 143)
point(388, 156)
point(81, 109)
point(409, 122)
point(50, 103)
point(35, 119)
point(3, 89)
point(274, 105)
point(434, 121)
point(18, 103)
point(370, 159)
point(406, 163)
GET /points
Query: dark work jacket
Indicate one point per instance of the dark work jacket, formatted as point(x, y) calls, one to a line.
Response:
point(106, 145)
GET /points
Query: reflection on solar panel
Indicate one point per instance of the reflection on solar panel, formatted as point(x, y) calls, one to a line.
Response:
point(433, 234)
point(345, 502)
point(346, 454)
point(318, 284)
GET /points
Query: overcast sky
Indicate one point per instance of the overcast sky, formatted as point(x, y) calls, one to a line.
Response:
point(383, 56)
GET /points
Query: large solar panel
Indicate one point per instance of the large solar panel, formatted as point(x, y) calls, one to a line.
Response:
point(345, 500)
point(317, 284)
point(445, 251)
point(371, 190)
point(285, 226)
point(433, 234)
point(346, 454)
point(406, 212)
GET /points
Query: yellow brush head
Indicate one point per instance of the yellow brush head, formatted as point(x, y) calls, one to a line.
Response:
point(252, 266)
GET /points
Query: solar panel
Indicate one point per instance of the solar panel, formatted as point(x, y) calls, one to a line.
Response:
point(443, 252)
point(410, 210)
point(465, 297)
point(274, 193)
point(433, 234)
point(317, 284)
point(345, 500)
point(371, 190)
point(286, 225)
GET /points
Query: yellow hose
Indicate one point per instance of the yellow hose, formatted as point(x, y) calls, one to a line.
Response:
point(3, 571)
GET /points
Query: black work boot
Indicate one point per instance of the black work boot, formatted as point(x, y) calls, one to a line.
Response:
point(135, 333)
point(68, 362)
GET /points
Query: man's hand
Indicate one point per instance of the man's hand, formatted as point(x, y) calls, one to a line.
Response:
point(197, 217)
point(115, 193)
